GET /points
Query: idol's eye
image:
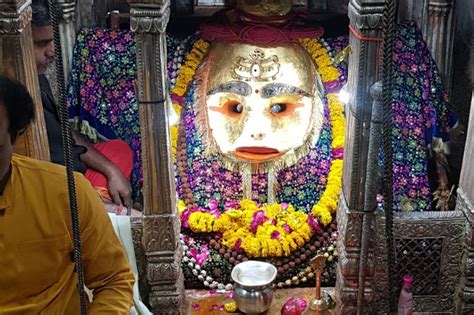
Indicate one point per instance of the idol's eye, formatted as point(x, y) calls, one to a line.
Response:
point(278, 108)
point(236, 108)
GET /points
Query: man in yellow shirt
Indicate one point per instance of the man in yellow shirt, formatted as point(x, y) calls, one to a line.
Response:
point(36, 265)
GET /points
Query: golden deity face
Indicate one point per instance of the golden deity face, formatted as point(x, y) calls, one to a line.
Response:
point(265, 7)
point(261, 103)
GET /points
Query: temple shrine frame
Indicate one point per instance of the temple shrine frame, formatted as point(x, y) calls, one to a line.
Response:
point(156, 235)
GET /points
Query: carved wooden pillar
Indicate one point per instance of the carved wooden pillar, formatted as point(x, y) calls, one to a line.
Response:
point(160, 223)
point(435, 18)
point(85, 14)
point(438, 32)
point(18, 62)
point(366, 28)
point(465, 203)
point(68, 33)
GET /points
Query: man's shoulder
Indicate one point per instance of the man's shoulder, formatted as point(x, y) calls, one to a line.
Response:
point(40, 168)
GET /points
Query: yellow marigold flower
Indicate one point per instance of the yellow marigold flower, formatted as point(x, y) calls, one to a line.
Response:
point(297, 238)
point(285, 247)
point(291, 242)
point(201, 222)
point(230, 307)
point(252, 246)
point(272, 210)
point(222, 223)
point(323, 61)
point(325, 218)
point(276, 248)
point(188, 69)
point(247, 204)
point(329, 74)
point(290, 208)
point(174, 141)
point(181, 206)
point(265, 247)
point(234, 214)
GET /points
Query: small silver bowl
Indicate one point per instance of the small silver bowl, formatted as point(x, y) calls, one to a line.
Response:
point(253, 292)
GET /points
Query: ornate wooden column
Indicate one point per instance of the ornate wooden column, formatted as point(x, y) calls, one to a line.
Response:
point(366, 28)
point(18, 62)
point(435, 18)
point(465, 203)
point(160, 223)
point(68, 33)
point(85, 14)
point(438, 32)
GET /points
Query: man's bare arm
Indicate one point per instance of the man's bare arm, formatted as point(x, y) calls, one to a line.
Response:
point(119, 187)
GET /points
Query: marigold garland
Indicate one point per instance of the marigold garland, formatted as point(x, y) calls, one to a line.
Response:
point(328, 203)
point(322, 59)
point(185, 76)
point(261, 231)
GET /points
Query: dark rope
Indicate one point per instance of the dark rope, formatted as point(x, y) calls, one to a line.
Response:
point(67, 147)
point(387, 72)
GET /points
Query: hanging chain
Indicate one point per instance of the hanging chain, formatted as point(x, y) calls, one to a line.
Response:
point(387, 73)
point(67, 147)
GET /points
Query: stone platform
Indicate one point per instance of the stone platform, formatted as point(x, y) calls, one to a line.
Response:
point(200, 302)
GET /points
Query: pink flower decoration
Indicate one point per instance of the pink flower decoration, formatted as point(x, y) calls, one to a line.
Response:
point(200, 257)
point(338, 153)
point(229, 294)
point(284, 206)
point(216, 307)
point(259, 218)
point(232, 205)
point(184, 217)
point(275, 235)
point(177, 99)
point(379, 198)
point(196, 306)
point(287, 228)
point(214, 208)
point(294, 306)
point(213, 204)
point(331, 84)
point(314, 224)
point(237, 245)
point(213, 292)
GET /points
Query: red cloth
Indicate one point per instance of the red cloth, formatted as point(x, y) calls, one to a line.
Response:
point(258, 29)
point(120, 154)
point(257, 33)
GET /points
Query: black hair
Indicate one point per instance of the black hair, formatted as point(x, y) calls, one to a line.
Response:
point(40, 13)
point(19, 105)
